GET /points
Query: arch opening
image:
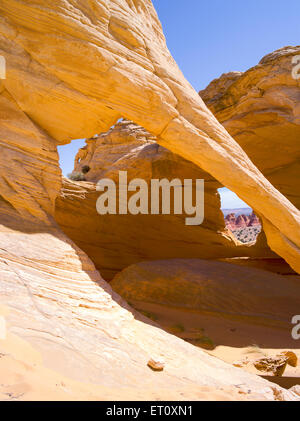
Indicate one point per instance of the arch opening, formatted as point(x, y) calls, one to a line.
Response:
point(239, 218)
point(113, 242)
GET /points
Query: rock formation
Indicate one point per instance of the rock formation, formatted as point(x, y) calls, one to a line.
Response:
point(73, 69)
point(274, 364)
point(254, 221)
point(245, 228)
point(241, 221)
point(220, 307)
point(230, 221)
point(114, 242)
point(227, 303)
point(126, 73)
point(260, 109)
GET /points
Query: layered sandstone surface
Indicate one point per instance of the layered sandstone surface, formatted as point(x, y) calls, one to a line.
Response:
point(73, 69)
point(239, 314)
point(86, 65)
point(88, 343)
point(230, 304)
point(261, 110)
point(113, 242)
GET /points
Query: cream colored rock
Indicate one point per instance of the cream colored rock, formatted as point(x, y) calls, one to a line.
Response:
point(260, 109)
point(121, 66)
point(295, 389)
point(55, 300)
point(30, 176)
point(73, 69)
point(211, 303)
point(114, 242)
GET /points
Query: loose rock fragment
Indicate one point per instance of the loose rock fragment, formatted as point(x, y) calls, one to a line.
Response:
point(156, 364)
point(292, 358)
point(276, 365)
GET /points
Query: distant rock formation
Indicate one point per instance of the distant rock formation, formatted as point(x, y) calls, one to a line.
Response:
point(234, 222)
point(245, 228)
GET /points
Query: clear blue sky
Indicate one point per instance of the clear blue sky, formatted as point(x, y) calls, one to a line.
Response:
point(67, 154)
point(230, 200)
point(211, 37)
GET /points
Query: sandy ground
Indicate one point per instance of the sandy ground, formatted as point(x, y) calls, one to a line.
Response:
point(24, 377)
point(234, 312)
point(228, 339)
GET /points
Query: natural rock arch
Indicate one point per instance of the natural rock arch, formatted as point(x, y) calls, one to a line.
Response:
point(73, 69)
point(80, 54)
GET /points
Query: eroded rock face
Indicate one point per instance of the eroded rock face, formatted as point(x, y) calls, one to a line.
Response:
point(73, 69)
point(114, 242)
point(267, 363)
point(260, 109)
point(201, 300)
point(108, 59)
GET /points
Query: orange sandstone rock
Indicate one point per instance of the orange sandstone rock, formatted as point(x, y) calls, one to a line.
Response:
point(114, 242)
point(73, 69)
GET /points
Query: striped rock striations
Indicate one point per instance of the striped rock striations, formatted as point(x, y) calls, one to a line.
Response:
point(73, 69)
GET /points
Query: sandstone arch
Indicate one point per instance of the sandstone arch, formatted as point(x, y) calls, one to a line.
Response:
point(79, 53)
point(74, 67)
point(113, 242)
